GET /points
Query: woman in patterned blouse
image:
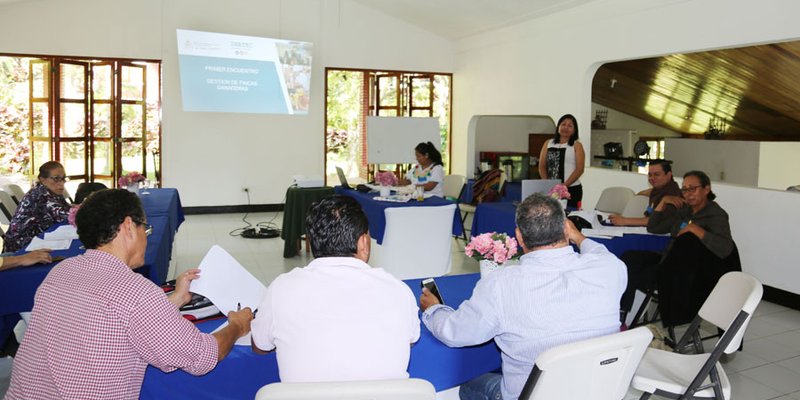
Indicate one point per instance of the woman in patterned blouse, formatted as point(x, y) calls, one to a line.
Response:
point(42, 207)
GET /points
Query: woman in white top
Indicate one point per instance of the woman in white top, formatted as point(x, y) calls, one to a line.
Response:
point(428, 172)
point(563, 157)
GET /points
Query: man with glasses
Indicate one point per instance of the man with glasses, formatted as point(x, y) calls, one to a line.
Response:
point(96, 324)
point(40, 208)
point(659, 175)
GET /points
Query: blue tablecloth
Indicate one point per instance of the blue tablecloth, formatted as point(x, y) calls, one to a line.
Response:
point(242, 372)
point(512, 191)
point(18, 286)
point(499, 217)
point(377, 220)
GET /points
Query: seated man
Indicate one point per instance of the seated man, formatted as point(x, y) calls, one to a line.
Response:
point(96, 324)
point(555, 296)
point(659, 175)
point(338, 319)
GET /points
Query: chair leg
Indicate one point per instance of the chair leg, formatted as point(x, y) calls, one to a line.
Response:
point(645, 396)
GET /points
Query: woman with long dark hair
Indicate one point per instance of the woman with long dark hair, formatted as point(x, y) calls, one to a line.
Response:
point(563, 157)
point(429, 171)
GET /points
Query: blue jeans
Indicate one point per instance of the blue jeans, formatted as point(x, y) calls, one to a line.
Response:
point(484, 387)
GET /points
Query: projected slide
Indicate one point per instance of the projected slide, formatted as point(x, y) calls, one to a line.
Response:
point(243, 74)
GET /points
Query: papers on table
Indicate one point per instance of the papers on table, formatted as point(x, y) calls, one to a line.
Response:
point(242, 341)
point(62, 232)
point(395, 199)
point(60, 244)
point(606, 231)
point(227, 283)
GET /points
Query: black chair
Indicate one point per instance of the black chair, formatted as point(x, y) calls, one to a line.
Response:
point(87, 188)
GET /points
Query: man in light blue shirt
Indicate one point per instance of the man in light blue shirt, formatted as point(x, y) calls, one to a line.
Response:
point(555, 296)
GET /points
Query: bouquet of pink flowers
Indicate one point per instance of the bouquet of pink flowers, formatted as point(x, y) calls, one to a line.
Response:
point(559, 192)
point(131, 178)
point(492, 246)
point(73, 212)
point(386, 178)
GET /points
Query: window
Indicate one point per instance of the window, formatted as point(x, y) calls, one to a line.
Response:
point(101, 118)
point(352, 95)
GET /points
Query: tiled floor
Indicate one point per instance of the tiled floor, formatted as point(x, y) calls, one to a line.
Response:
point(767, 368)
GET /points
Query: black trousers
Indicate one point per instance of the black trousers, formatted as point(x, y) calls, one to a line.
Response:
point(684, 278)
point(575, 196)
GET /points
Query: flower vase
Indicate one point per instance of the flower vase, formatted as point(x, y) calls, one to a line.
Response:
point(386, 191)
point(487, 267)
point(134, 187)
point(563, 204)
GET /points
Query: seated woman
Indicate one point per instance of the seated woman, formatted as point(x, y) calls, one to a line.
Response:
point(42, 207)
point(702, 251)
point(428, 173)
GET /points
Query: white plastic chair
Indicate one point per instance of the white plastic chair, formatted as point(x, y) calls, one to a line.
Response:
point(417, 242)
point(599, 369)
point(15, 191)
point(453, 185)
point(729, 306)
point(396, 389)
point(636, 206)
point(7, 207)
point(614, 199)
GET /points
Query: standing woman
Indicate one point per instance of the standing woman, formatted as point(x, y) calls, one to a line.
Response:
point(40, 208)
point(428, 172)
point(563, 158)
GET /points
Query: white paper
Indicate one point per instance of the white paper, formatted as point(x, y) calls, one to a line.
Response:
point(227, 283)
point(601, 233)
point(62, 232)
point(36, 244)
point(242, 341)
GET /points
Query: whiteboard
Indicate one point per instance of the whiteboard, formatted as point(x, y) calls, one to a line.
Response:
point(391, 140)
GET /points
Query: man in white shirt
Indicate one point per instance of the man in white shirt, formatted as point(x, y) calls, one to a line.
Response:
point(338, 319)
point(555, 296)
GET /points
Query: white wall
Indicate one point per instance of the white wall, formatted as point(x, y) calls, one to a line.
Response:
point(731, 161)
point(209, 157)
point(779, 165)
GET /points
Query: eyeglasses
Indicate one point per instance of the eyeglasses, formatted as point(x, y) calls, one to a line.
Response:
point(58, 179)
point(148, 229)
point(691, 189)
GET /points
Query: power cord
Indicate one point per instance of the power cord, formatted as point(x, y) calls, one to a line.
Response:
point(261, 230)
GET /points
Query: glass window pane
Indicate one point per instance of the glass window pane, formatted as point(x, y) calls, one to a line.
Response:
point(153, 83)
point(105, 181)
point(41, 153)
point(387, 87)
point(420, 92)
point(420, 113)
point(73, 81)
point(132, 83)
point(132, 121)
point(389, 112)
point(102, 120)
point(103, 158)
point(73, 157)
point(102, 82)
point(41, 79)
point(41, 123)
point(73, 120)
point(131, 157)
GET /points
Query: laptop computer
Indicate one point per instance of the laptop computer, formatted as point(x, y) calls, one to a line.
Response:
point(531, 186)
point(342, 178)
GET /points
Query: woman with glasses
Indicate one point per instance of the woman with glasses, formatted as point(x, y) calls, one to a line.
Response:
point(700, 253)
point(40, 208)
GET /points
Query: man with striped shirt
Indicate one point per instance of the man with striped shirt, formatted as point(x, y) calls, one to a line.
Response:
point(555, 296)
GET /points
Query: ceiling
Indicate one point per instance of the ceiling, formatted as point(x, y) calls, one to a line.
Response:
point(754, 91)
point(455, 19)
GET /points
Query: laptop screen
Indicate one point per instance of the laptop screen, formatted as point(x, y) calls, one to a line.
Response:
point(342, 178)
